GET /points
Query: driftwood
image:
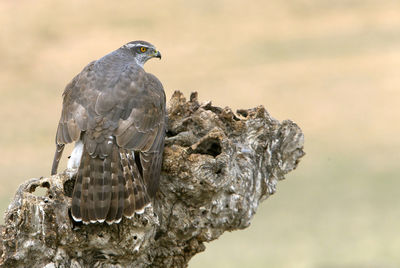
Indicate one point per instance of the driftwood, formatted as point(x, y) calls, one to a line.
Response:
point(218, 166)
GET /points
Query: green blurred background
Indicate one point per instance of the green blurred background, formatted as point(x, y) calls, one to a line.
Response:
point(330, 66)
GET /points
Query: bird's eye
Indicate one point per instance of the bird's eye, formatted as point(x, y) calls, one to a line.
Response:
point(143, 49)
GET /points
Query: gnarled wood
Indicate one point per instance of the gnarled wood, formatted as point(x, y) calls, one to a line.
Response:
point(218, 166)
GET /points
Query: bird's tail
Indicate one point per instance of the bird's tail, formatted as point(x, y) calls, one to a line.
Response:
point(107, 188)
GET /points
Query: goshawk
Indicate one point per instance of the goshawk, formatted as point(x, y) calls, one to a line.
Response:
point(115, 113)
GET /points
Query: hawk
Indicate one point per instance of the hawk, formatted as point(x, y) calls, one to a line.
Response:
point(115, 113)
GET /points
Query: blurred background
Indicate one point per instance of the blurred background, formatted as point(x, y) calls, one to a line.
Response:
point(332, 66)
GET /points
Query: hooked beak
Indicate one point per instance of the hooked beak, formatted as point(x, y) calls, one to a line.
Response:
point(157, 54)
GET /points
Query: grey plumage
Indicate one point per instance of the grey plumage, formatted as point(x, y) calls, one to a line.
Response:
point(118, 111)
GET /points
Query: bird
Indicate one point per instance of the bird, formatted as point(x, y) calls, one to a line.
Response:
point(115, 112)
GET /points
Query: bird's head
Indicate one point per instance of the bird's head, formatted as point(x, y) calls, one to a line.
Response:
point(142, 51)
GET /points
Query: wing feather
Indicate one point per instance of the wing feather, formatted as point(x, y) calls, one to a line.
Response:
point(145, 123)
point(74, 115)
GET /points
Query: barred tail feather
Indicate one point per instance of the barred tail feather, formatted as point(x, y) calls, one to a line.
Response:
point(91, 197)
point(100, 189)
point(129, 198)
point(139, 188)
point(121, 189)
point(129, 201)
point(136, 198)
point(103, 197)
point(113, 211)
point(107, 189)
point(90, 204)
point(85, 188)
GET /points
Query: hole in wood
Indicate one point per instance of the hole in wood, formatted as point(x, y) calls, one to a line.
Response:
point(210, 146)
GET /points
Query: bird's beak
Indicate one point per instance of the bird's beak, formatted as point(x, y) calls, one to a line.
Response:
point(157, 54)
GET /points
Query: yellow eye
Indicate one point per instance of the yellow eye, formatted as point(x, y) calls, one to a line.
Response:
point(143, 49)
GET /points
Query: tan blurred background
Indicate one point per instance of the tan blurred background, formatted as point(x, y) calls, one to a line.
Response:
point(331, 66)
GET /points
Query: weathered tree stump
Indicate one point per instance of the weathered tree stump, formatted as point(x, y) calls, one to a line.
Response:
point(217, 167)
